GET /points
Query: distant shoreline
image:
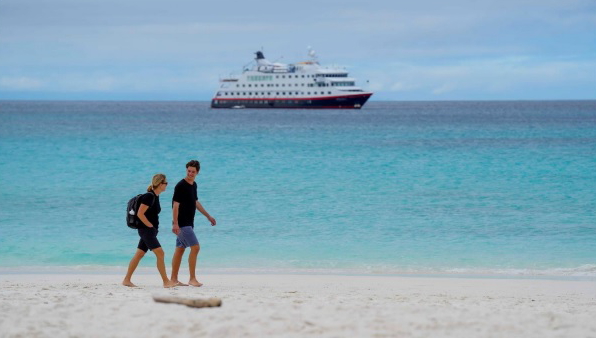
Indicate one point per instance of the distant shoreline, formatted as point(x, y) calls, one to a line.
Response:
point(146, 270)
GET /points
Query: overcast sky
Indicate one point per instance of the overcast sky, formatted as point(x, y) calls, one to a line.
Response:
point(401, 50)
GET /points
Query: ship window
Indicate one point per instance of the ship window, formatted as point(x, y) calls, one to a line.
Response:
point(329, 92)
point(277, 84)
point(283, 76)
point(303, 76)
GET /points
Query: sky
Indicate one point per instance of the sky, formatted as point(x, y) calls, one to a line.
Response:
point(400, 50)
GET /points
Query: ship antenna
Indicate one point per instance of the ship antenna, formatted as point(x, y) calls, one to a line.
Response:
point(312, 53)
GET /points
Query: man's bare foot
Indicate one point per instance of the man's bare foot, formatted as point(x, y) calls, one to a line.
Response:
point(169, 284)
point(129, 284)
point(195, 282)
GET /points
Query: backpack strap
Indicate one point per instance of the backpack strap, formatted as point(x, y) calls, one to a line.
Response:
point(154, 197)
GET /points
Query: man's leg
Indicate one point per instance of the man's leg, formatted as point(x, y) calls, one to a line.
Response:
point(161, 267)
point(192, 264)
point(176, 260)
point(132, 266)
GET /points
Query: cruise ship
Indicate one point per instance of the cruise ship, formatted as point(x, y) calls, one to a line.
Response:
point(300, 85)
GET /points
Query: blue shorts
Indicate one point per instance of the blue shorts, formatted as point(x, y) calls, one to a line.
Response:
point(186, 237)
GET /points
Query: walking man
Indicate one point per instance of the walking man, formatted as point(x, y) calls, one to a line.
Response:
point(184, 203)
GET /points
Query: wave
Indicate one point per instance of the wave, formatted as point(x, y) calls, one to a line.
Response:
point(586, 271)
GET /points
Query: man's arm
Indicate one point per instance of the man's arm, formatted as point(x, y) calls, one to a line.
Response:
point(175, 209)
point(205, 213)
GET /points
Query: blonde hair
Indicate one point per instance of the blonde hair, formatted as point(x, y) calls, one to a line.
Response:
point(156, 181)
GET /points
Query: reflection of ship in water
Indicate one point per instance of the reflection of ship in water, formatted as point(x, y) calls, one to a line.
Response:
point(300, 85)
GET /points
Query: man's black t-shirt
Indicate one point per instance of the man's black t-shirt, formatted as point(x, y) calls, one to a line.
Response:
point(153, 211)
point(186, 195)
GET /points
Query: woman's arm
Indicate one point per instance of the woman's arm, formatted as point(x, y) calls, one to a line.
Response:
point(141, 214)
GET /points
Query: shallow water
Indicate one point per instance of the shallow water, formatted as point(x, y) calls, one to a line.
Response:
point(397, 187)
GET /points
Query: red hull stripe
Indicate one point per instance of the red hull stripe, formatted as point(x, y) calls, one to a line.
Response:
point(293, 98)
point(309, 107)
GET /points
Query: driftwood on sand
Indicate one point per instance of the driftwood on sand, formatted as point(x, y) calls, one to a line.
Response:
point(210, 302)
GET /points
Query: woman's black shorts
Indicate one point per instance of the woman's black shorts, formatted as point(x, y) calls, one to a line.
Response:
point(148, 239)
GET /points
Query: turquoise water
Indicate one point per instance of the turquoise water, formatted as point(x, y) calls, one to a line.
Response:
point(416, 187)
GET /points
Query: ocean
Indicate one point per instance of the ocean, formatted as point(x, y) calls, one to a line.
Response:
point(447, 188)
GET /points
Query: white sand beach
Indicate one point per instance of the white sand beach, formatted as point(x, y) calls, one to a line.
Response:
point(87, 305)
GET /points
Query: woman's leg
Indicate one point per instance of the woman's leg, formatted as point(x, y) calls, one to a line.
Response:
point(132, 266)
point(161, 267)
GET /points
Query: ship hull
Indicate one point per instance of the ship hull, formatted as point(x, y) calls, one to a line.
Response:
point(335, 102)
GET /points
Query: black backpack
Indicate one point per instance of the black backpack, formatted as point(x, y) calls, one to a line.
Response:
point(131, 211)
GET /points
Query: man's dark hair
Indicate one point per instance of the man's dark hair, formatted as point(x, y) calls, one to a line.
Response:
point(194, 163)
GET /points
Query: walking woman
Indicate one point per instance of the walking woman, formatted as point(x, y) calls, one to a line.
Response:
point(148, 215)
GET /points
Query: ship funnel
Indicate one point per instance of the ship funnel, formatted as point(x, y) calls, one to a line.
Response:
point(261, 61)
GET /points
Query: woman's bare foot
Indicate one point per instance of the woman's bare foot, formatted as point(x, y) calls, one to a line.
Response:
point(179, 283)
point(169, 284)
point(195, 282)
point(128, 283)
